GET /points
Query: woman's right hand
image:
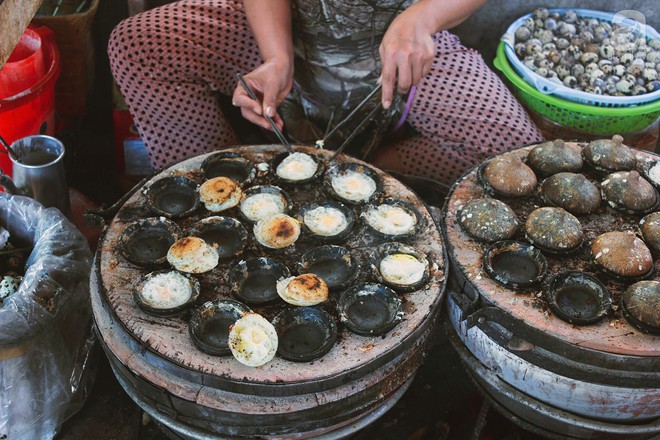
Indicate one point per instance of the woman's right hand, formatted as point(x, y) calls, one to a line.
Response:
point(271, 82)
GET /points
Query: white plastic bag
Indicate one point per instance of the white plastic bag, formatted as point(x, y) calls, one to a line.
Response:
point(45, 327)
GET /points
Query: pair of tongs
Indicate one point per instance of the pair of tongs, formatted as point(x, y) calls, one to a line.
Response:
point(321, 143)
point(274, 126)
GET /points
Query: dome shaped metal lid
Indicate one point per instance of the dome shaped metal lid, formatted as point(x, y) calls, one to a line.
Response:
point(488, 220)
point(507, 176)
point(606, 155)
point(649, 227)
point(622, 254)
point(554, 157)
point(553, 229)
point(573, 192)
point(641, 305)
point(627, 190)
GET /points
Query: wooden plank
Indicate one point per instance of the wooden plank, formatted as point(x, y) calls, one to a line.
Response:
point(15, 15)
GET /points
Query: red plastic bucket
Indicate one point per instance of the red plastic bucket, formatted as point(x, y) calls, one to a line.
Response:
point(27, 89)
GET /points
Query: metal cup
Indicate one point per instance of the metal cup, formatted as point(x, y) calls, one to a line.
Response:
point(38, 171)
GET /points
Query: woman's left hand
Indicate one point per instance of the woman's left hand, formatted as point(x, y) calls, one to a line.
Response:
point(406, 53)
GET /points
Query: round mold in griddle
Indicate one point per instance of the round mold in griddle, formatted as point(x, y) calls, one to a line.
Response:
point(514, 264)
point(578, 298)
point(514, 178)
point(640, 305)
point(277, 160)
point(304, 333)
point(336, 265)
point(389, 249)
point(151, 309)
point(370, 309)
point(145, 243)
point(406, 207)
point(210, 323)
point(340, 170)
point(331, 237)
point(254, 281)
point(227, 235)
point(279, 197)
point(173, 197)
point(233, 165)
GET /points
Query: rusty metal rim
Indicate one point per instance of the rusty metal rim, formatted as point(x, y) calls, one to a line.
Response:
point(292, 388)
point(222, 412)
point(560, 356)
point(281, 389)
point(557, 355)
point(335, 432)
point(536, 415)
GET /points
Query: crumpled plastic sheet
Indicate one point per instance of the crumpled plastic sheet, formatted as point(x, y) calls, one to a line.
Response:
point(46, 345)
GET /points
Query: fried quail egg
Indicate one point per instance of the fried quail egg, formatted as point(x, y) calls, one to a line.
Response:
point(166, 290)
point(325, 221)
point(261, 206)
point(253, 340)
point(401, 269)
point(297, 166)
point(220, 193)
point(390, 219)
point(278, 231)
point(192, 255)
point(353, 186)
point(304, 290)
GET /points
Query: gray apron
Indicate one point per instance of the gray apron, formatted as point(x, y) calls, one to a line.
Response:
point(336, 66)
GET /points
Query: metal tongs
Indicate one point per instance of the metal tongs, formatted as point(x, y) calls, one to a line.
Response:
point(274, 126)
point(321, 142)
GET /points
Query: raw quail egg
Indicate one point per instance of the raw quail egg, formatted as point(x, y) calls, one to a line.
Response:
point(353, 186)
point(192, 255)
point(325, 220)
point(278, 231)
point(220, 193)
point(8, 286)
point(297, 166)
point(253, 340)
point(304, 290)
point(401, 269)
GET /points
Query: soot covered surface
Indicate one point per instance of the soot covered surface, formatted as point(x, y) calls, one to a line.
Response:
point(169, 337)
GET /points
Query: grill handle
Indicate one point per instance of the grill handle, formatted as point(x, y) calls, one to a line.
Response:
point(99, 217)
point(466, 298)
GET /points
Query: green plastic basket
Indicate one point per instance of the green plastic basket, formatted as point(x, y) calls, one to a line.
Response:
point(604, 121)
